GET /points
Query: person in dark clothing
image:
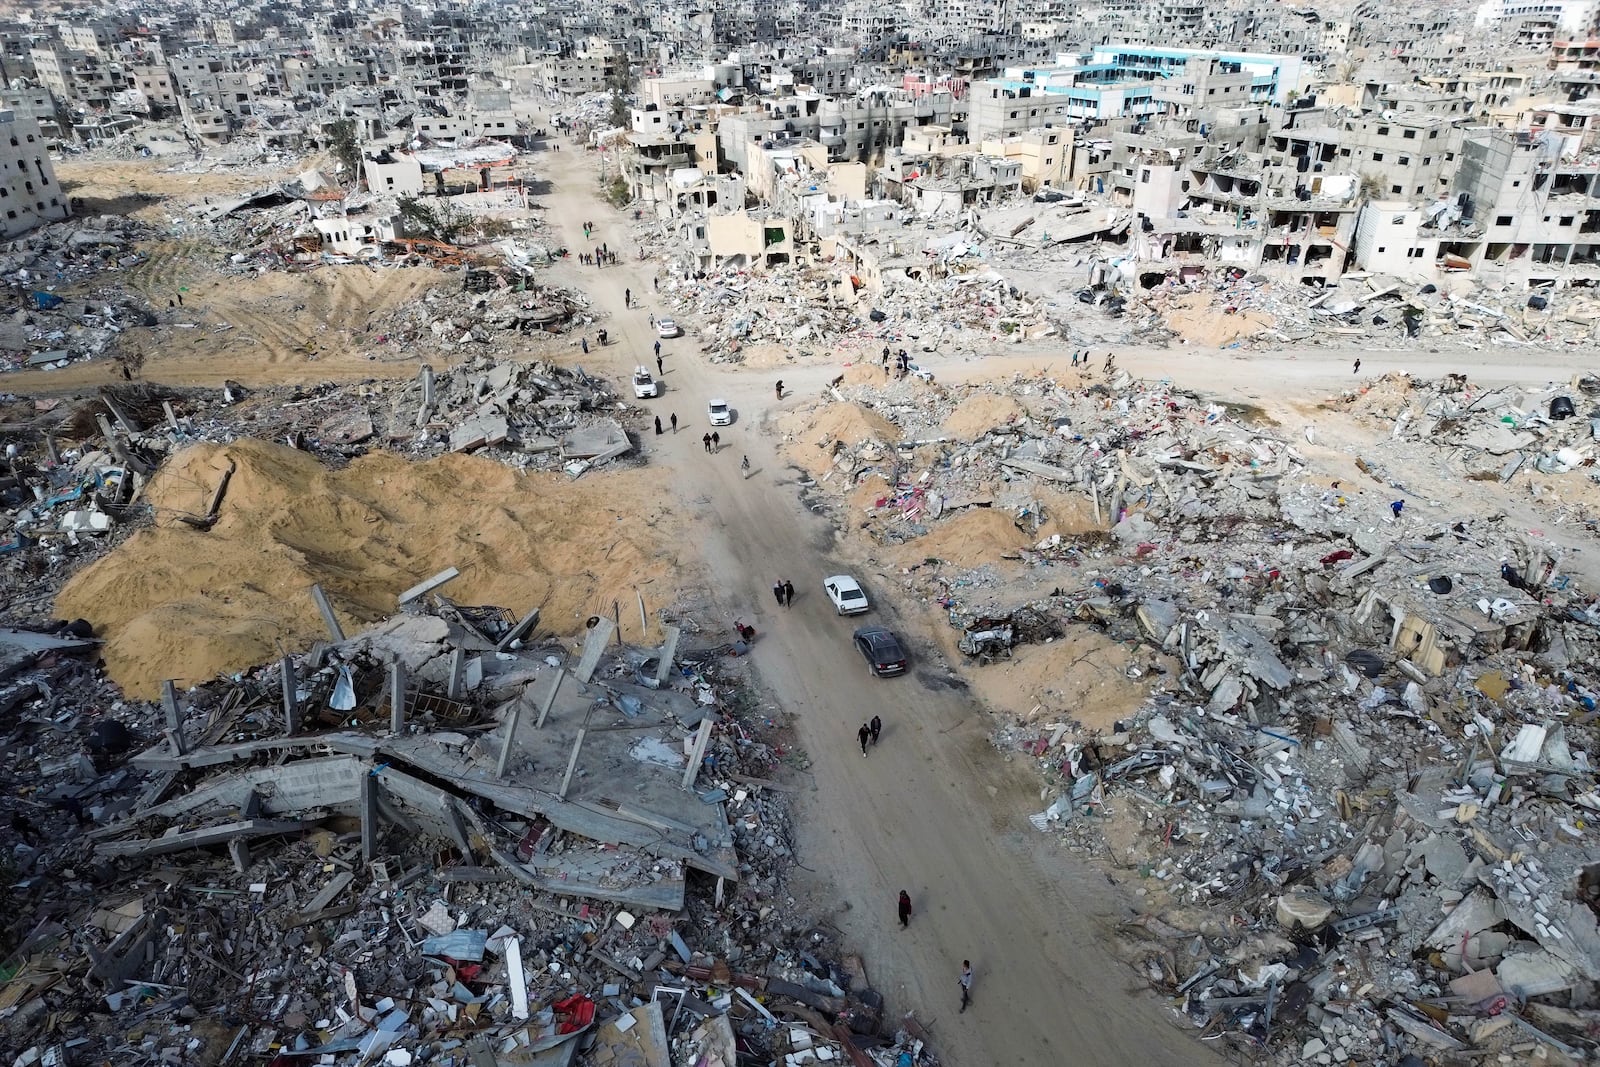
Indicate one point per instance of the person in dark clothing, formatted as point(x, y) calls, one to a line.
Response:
point(658, 349)
point(659, 368)
point(905, 909)
point(658, 425)
point(1357, 368)
point(716, 442)
point(627, 297)
point(674, 421)
point(864, 735)
point(877, 728)
point(780, 388)
point(788, 593)
point(706, 440)
point(777, 592)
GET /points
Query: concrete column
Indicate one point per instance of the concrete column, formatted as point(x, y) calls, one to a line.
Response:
point(169, 701)
point(550, 697)
point(427, 396)
point(119, 413)
point(329, 619)
point(513, 719)
point(572, 763)
point(369, 818)
point(397, 697)
point(172, 416)
point(458, 660)
point(291, 698)
point(50, 450)
point(698, 753)
point(239, 852)
point(520, 630)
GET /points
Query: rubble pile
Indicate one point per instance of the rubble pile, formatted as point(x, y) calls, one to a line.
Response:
point(491, 301)
point(1360, 794)
point(1495, 433)
point(442, 839)
point(1371, 310)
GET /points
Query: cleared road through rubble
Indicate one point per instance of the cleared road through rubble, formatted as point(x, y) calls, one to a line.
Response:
point(935, 809)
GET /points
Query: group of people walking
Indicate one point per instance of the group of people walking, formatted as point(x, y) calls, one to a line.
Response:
point(783, 592)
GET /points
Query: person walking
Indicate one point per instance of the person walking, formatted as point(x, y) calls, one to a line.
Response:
point(674, 422)
point(658, 425)
point(658, 351)
point(706, 440)
point(1397, 506)
point(877, 728)
point(657, 283)
point(1357, 368)
point(780, 388)
point(966, 983)
point(716, 442)
point(744, 466)
point(864, 735)
point(788, 593)
point(777, 591)
point(585, 346)
point(659, 368)
point(627, 298)
point(652, 320)
point(905, 909)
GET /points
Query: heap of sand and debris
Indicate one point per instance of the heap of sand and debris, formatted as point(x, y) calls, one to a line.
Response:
point(1336, 727)
point(291, 792)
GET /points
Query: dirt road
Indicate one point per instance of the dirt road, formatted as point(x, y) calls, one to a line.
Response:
point(934, 809)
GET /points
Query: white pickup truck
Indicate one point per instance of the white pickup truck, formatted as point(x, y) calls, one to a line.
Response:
point(644, 386)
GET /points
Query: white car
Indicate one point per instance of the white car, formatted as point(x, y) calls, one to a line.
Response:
point(667, 328)
point(644, 386)
point(719, 413)
point(846, 594)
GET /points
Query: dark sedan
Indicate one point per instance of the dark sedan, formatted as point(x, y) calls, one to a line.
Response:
point(882, 650)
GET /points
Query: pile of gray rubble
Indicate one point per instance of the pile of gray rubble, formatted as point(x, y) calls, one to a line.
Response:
point(448, 840)
point(1361, 792)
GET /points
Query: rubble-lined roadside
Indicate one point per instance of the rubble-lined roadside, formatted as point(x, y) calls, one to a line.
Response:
point(1357, 795)
point(448, 839)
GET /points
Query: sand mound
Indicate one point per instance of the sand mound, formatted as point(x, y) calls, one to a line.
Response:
point(980, 413)
point(176, 602)
point(970, 538)
point(1080, 676)
point(1194, 319)
point(816, 434)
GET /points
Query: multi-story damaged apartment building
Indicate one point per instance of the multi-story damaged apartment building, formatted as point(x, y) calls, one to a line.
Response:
point(1207, 136)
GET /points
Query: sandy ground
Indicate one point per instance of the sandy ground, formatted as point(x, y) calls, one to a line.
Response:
point(187, 604)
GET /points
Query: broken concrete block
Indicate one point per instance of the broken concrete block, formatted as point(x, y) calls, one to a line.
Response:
point(1302, 909)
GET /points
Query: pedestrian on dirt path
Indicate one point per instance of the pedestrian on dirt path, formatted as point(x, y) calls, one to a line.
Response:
point(706, 440)
point(877, 728)
point(659, 369)
point(627, 297)
point(1111, 357)
point(864, 735)
point(1357, 368)
point(657, 283)
point(905, 909)
point(658, 351)
point(716, 442)
point(1397, 506)
point(885, 357)
point(780, 388)
point(585, 346)
point(788, 593)
point(744, 465)
point(674, 421)
point(966, 983)
point(180, 300)
point(658, 425)
point(777, 591)
point(652, 320)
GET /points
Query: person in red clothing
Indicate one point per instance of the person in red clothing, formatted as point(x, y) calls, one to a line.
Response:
point(905, 909)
